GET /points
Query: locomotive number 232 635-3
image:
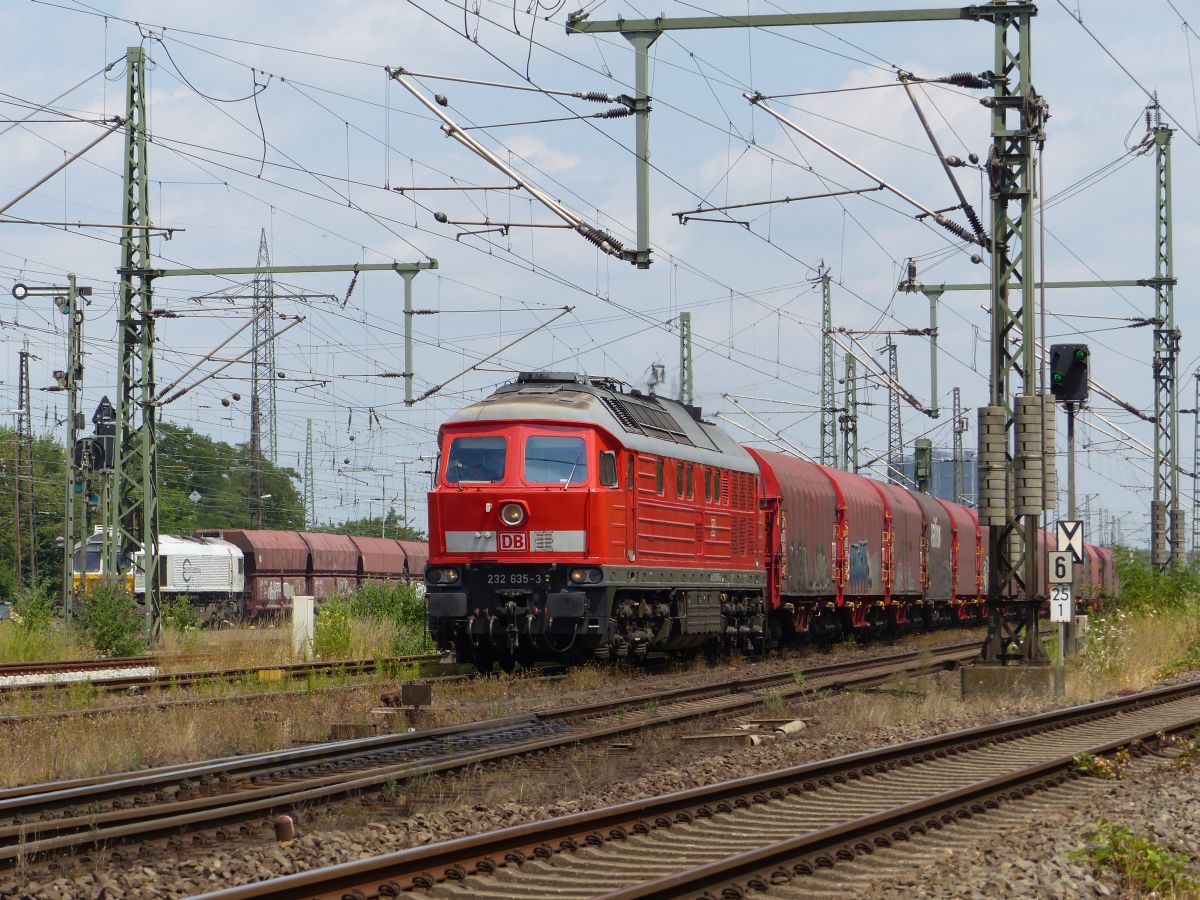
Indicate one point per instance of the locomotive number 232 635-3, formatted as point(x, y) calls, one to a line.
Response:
point(518, 578)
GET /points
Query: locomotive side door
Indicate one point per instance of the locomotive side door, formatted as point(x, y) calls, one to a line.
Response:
point(631, 492)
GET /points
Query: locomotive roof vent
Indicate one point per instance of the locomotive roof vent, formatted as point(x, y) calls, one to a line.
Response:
point(560, 378)
point(551, 378)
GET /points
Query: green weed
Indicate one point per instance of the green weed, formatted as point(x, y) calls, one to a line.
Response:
point(1142, 865)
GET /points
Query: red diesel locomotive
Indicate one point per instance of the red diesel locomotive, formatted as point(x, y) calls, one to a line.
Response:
point(572, 519)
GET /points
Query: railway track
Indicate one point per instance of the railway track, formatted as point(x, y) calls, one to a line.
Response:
point(99, 811)
point(786, 830)
point(54, 667)
point(167, 680)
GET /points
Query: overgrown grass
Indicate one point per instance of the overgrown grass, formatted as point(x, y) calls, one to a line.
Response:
point(1144, 867)
point(32, 633)
point(109, 619)
point(1151, 631)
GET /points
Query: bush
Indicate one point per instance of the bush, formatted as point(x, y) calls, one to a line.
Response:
point(1144, 589)
point(178, 613)
point(399, 604)
point(333, 637)
point(34, 608)
point(1144, 866)
point(109, 619)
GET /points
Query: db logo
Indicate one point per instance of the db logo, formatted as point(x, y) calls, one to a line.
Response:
point(514, 540)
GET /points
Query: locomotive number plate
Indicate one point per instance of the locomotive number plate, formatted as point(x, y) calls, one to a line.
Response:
point(518, 578)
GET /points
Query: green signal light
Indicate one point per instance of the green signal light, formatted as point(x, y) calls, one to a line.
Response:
point(1081, 353)
point(1058, 377)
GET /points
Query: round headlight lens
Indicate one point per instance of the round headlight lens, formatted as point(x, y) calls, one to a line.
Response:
point(512, 514)
point(578, 576)
point(450, 575)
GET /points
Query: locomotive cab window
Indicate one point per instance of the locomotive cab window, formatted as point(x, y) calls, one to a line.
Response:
point(679, 481)
point(689, 482)
point(476, 459)
point(658, 476)
point(629, 472)
point(555, 460)
point(717, 486)
point(707, 484)
point(608, 468)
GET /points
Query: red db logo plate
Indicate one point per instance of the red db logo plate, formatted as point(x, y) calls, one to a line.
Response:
point(514, 540)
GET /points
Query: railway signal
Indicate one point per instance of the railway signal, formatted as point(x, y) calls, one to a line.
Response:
point(1069, 372)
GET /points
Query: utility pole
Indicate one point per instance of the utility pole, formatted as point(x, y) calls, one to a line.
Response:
point(895, 457)
point(1011, 489)
point(134, 500)
point(66, 299)
point(960, 426)
point(923, 463)
point(134, 493)
point(1068, 632)
point(71, 380)
point(1166, 518)
point(1196, 469)
point(849, 416)
point(686, 384)
point(642, 33)
point(310, 496)
point(26, 512)
point(262, 380)
point(828, 397)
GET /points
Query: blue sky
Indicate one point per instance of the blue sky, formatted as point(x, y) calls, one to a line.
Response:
point(336, 138)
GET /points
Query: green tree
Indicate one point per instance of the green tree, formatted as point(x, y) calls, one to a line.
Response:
point(220, 473)
point(375, 526)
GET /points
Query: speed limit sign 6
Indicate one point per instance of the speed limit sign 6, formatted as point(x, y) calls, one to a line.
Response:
point(1059, 566)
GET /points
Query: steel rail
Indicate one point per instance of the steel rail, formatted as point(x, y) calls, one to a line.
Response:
point(188, 678)
point(959, 803)
point(455, 860)
point(55, 666)
point(29, 836)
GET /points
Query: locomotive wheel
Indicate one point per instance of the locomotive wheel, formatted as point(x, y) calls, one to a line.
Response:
point(508, 662)
point(483, 659)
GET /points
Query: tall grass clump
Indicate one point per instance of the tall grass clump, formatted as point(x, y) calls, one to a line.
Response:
point(32, 633)
point(333, 633)
point(398, 606)
point(1152, 629)
point(110, 621)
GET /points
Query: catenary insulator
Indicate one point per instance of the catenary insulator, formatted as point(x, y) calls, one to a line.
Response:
point(966, 80)
point(617, 112)
point(595, 97)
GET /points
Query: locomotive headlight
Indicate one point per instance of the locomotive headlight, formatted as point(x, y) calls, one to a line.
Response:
point(578, 576)
point(586, 576)
point(441, 576)
point(512, 514)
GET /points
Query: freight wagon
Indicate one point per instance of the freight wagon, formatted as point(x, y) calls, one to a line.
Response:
point(232, 574)
point(574, 519)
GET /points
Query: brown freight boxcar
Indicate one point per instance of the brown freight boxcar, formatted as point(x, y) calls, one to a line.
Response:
point(332, 564)
point(276, 565)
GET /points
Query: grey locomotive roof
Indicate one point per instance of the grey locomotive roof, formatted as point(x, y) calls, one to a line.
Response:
point(650, 424)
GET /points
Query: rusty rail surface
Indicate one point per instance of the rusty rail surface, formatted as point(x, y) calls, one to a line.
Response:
point(97, 811)
point(746, 862)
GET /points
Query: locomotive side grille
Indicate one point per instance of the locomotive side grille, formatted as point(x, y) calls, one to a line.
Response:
point(642, 418)
point(622, 415)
